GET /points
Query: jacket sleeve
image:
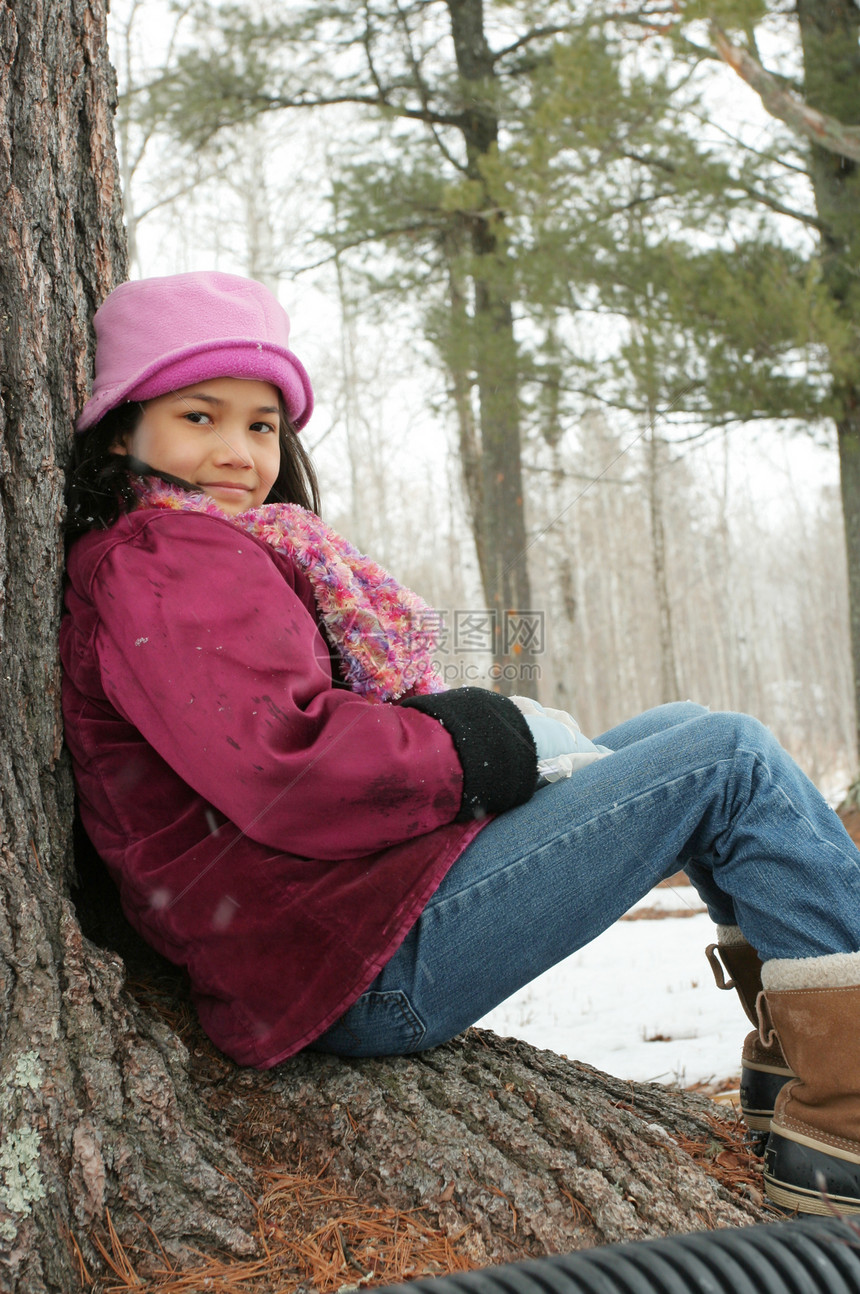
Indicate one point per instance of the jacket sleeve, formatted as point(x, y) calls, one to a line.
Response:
point(206, 649)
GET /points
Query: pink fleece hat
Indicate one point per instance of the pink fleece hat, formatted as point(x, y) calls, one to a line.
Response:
point(157, 335)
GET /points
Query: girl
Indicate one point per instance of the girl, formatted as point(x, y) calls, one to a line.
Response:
point(341, 853)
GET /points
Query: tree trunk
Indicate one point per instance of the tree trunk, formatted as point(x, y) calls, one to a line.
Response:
point(95, 1106)
point(848, 430)
point(511, 1151)
point(504, 544)
point(669, 687)
point(455, 350)
point(831, 60)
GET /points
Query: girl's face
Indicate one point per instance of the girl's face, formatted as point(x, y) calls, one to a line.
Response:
point(220, 435)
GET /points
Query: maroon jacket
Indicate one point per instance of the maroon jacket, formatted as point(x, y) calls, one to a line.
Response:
point(268, 829)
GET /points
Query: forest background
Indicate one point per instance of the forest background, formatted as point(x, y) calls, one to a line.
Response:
point(618, 270)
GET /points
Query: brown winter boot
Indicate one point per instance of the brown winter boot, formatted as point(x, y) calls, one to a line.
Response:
point(763, 1069)
point(812, 1159)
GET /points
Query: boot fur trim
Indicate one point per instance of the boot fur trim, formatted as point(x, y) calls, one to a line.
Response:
point(730, 936)
point(835, 970)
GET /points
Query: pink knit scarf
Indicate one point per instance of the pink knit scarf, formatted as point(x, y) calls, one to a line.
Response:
point(382, 631)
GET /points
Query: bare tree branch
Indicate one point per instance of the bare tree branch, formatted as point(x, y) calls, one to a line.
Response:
point(773, 204)
point(424, 94)
point(428, 225)
point(743, 146)
point(536, 33)
point(305, 99)
point(823, 130)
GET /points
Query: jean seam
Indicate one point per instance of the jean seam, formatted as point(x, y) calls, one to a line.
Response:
point(567, 836)
point(758, 758)
point(410, 1018)
point(829, 844)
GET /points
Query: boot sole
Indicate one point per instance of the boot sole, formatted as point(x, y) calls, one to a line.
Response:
point(757, 1120)
point(802, 1178)
point(793, 1200)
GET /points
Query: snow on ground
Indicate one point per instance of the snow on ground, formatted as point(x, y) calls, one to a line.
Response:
point(639, 1001)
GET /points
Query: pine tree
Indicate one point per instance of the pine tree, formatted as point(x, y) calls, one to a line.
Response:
point(822, 107)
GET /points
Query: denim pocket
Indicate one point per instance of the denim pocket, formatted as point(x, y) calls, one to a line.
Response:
point(377, 1024)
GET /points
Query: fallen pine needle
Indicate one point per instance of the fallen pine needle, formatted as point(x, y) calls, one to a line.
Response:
point(310, 1232)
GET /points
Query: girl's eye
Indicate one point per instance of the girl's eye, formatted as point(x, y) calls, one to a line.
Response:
point(196, 416)
point(265, 427)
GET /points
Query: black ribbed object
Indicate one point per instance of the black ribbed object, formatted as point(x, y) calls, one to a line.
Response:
point(806, 1256)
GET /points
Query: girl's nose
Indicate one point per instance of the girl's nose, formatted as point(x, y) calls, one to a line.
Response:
point(233, 448)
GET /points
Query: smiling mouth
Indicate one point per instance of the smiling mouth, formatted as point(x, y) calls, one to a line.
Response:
point(226, 485)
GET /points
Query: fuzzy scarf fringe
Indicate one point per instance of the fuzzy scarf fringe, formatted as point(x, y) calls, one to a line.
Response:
point(382, 631)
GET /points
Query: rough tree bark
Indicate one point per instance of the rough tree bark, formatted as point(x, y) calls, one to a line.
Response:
point(95, 1109)
point(519, 1152)
point(511, 1152)
point(102, 1109)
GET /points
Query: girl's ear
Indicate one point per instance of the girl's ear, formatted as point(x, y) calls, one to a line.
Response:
point(119, 444)
point(117, 429)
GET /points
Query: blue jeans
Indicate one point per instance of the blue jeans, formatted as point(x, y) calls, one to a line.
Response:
point(712, 793)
